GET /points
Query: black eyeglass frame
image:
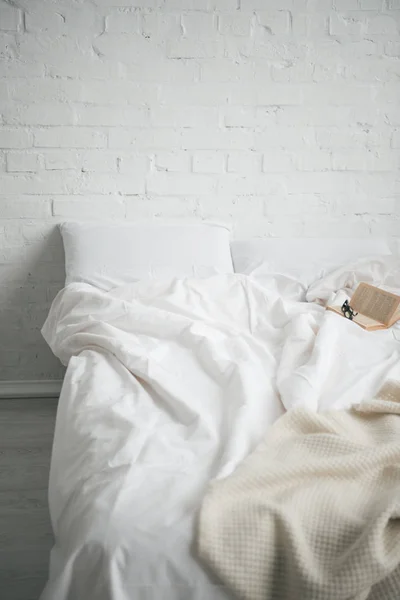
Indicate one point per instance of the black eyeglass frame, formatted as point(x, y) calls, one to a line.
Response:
point(347, 311)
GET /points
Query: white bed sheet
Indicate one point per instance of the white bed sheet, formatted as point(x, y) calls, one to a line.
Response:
point(169, 385)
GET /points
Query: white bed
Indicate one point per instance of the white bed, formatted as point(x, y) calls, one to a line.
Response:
point(172, 382)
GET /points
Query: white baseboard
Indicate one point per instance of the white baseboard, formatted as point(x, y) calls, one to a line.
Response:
point(30, 389)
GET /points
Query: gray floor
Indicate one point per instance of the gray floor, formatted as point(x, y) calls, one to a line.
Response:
point(26, 435)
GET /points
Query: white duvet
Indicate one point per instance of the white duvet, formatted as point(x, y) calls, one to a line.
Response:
point(171, 384)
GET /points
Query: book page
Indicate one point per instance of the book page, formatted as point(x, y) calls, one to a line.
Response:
point(363, 321)
point(367, 322)
point(374, 303)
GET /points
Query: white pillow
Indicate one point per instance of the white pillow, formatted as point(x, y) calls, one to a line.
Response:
point(305, 259)
point(111, 255)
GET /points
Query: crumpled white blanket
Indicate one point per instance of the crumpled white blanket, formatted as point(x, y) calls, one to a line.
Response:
point(170, 384)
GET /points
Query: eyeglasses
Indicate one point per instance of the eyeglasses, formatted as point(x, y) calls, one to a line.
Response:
point(347, 311)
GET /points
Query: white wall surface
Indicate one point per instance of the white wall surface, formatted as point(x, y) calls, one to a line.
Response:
point(280, 116)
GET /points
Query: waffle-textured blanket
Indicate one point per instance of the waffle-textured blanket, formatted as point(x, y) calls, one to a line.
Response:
point(314, 512)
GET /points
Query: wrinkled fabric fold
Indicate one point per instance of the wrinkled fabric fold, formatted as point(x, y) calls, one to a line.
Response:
point(170, 385)
point(314, 512)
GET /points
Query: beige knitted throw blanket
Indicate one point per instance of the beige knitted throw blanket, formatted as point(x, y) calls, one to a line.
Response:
point(314, 512)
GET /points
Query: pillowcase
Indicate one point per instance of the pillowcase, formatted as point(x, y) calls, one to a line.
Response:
point(305, 259)
point(111, 255)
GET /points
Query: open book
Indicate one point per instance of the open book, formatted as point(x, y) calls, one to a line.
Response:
point(376, 308)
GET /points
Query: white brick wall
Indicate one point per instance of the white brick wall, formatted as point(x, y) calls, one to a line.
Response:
point(279, 116)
